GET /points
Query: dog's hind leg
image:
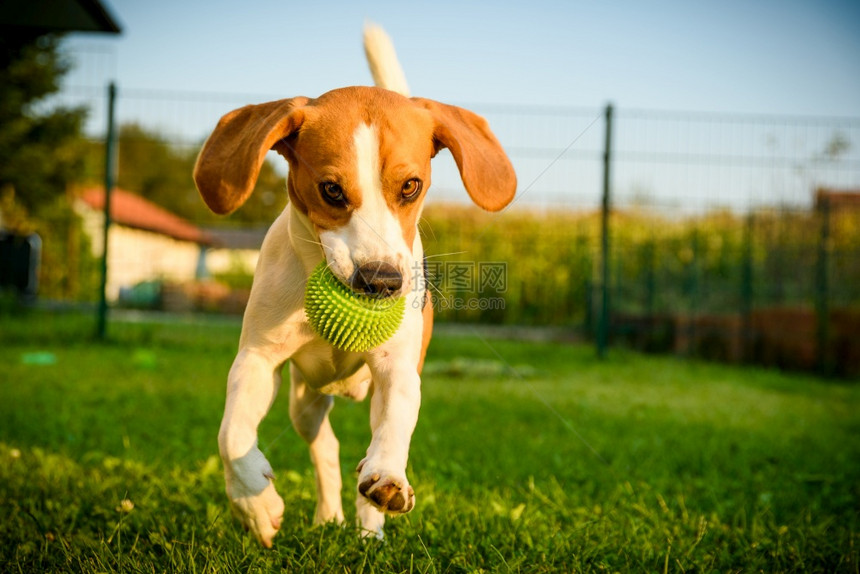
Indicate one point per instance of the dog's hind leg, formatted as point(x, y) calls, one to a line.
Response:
point(309, 412)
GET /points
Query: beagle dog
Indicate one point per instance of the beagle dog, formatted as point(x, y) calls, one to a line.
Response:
point(359, 170)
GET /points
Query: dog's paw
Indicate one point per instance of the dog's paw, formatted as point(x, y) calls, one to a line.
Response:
point(260, 514)
point(388, 491)
point(253, 498)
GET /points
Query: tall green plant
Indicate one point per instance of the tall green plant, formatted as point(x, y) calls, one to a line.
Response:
point(660, 265)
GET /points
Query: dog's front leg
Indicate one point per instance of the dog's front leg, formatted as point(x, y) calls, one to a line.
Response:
point(252, 386)
point(393, 415)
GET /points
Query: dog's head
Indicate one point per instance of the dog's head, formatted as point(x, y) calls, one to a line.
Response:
point(359, 170)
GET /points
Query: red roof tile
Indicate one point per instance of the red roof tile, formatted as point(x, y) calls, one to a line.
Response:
point(131, 210)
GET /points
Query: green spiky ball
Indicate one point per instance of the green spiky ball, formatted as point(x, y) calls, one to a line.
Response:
point(346, 319)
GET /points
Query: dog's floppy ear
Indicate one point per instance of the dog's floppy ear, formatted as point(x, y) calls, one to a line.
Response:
point(229, 163)
point(484, 167)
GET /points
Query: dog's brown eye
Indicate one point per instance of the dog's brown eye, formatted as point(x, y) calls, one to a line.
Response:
point(411, 188)
point(332, 193)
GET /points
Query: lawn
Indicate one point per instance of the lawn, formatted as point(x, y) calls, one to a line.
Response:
point(528, 457)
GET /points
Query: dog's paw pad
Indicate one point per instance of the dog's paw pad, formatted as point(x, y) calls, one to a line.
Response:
point(389, 495)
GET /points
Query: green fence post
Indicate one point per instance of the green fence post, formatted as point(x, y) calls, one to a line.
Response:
point(110, 167)
point(603, 319)
point(747, 291)
point(694, 287)
point(822, 308)
point(650, 256)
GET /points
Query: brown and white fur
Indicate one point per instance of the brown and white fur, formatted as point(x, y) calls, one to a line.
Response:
point(359, 168)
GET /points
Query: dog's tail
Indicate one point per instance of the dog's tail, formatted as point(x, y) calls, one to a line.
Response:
point(382, 59)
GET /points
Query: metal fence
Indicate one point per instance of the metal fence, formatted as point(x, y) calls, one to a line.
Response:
point(716, 242)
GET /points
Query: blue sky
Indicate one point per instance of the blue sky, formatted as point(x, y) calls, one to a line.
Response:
point(781, 57)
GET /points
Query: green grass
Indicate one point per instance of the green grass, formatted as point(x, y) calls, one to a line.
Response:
point(527, 458)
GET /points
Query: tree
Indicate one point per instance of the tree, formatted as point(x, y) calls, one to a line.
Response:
point(162, 173)
point(40, 153)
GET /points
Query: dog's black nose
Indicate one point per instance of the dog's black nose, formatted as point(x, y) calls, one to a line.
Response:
point(377, 279)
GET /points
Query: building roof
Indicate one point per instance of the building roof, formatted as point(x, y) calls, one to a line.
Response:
point(58, 16)
point(131, 210)
point(838, 198)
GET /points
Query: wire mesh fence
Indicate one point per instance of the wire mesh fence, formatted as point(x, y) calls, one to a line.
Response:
point(730, 236)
